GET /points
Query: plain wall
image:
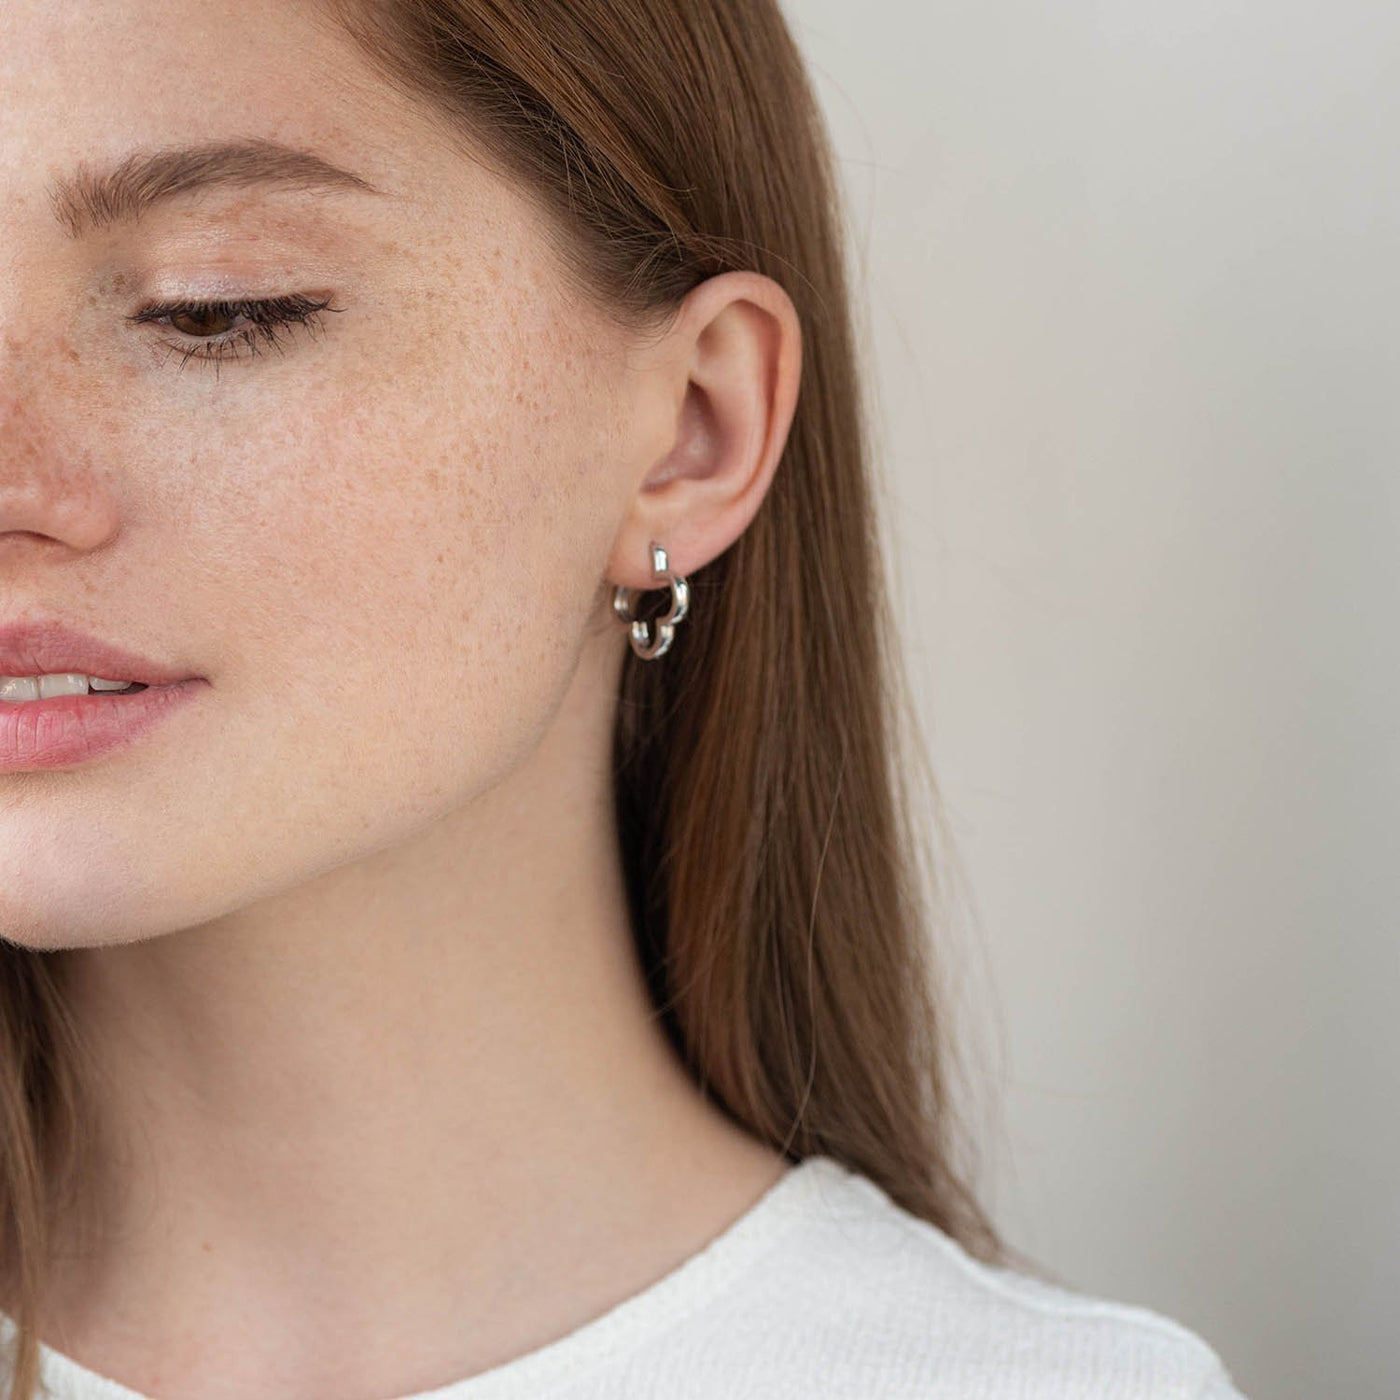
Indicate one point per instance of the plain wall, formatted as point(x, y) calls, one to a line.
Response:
point(1130, 272)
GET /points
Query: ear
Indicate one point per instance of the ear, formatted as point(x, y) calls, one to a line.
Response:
point(727, 379)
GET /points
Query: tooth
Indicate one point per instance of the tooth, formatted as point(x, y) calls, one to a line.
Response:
point(69, 683)
point(19, 688)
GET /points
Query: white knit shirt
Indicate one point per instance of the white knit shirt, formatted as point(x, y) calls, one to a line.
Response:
point(825, 1289)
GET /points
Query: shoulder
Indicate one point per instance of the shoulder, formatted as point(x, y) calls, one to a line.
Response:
point(898, 1309)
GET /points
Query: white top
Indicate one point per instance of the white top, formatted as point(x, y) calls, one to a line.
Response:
point(825, 1289)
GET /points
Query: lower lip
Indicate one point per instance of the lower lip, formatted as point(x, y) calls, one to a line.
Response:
point(68, 729)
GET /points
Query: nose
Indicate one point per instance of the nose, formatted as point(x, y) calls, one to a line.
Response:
point(49, 492)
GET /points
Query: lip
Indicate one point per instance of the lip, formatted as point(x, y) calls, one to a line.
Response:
point(40, 647)
point(67, 729)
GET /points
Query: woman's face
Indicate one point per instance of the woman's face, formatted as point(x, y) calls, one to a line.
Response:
point(379, 538)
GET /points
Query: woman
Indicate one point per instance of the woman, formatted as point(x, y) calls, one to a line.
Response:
point(429, 964)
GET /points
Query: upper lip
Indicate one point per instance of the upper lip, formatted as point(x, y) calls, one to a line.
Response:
point(45, 647)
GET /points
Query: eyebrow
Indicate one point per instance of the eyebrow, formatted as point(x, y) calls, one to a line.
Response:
point(121, 193)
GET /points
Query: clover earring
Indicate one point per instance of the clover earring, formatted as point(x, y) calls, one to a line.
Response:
point(649, 643)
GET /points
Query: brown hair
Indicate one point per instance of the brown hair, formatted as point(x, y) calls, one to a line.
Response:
point(781, 905)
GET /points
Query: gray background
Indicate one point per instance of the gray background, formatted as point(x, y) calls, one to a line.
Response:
point(1129, 274)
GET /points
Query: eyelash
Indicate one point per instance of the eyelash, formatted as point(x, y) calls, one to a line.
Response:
point(269, 319)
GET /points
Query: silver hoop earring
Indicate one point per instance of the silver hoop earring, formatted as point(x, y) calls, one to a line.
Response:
point(647, 646)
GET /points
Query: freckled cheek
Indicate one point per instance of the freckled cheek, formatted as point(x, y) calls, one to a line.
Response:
point(375, 539)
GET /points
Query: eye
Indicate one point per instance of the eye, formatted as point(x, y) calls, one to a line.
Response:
point(205, 325)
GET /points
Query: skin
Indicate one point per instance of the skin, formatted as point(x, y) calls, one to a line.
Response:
point(385, 1099)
